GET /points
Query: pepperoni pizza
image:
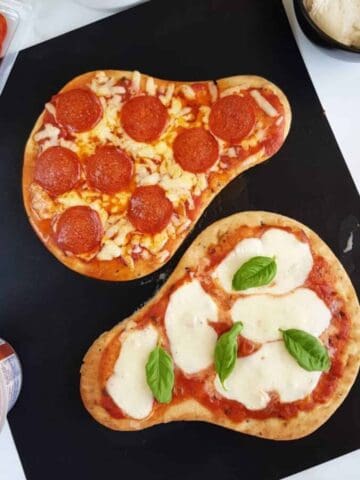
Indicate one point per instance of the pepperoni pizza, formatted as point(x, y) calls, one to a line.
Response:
point(120, 166)
point(271, 352)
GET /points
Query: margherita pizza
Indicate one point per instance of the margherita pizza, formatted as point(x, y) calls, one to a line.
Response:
point(120, 166)
point(257, 330)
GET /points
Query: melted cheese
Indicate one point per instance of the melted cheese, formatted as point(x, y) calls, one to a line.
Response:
point(166, 98)
point(109, 251)
point(188, 91)
point(293, 259)
point(127, 385)
point(270, 369)
point(150, 86)
point(41, 202)
point(263, 103)
point(263, 315)
point(105, 86)
point(48, 132)
point(153, 164)
point(103, 132)
point(136, 80)
point(192, 340)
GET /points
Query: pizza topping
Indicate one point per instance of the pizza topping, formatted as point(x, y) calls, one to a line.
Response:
point(57, 170)
point(109, 251)
point(144, 118)
point(213, 90)
point(188, 91)
point(276, 361)
point(150, 86)
point(167, 96)
point(263, 315)
point(264, 104)
point(136, 81)
point(226, 352)
point(232, 118)
point(116, 236)
point(109, 123)
point(307, 350)
point(128, 386)
point(149, 210)
point(160, 374)
point(48, 132)
point(192, 339)
point(109, 169)
point(269, 369)
point(78, 230)
point(105, 86)
point(293, 260)
point(41, 202)
point(273, 140)
point(196, 150)
point(202, 93)
point(78, 110)
point(256, 272)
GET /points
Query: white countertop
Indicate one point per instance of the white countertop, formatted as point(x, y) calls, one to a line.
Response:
point(336, 81)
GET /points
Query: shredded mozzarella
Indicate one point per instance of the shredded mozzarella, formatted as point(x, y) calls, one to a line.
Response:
point(150, 86)
point(136, 80)
point(264, 104)
point(188, 92)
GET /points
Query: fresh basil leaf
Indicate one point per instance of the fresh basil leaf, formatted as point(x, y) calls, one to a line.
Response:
point(307, 350)
point(226, 352)
point(160, 374)
point(255, 272)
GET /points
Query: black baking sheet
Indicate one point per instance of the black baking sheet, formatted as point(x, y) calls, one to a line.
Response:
point(52, 315)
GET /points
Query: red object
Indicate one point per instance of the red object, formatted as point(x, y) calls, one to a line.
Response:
point(78, 230)
point(109, 169)
point(78, 110)
point(196, 150)
point(3, 30)
point(246, 347)
point(57, 170)
point(110, 406)
point(202, 93)
point(275, 133)
point(149, 209)
point(232, 118)
point(144, 118)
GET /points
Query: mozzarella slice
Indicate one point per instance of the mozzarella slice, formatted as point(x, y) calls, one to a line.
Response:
point(293, 259)
point(192, 339)
point(270, 369)
point(127, 386)
point(263, 315)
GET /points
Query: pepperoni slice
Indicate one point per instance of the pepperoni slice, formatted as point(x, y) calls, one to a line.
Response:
point(79, 109)
point(78, 230)
point(144, 118)
point(3, 30)
point(196, 150)
point(109, 169)
point(57, 170)
point(232, 118)
point(149, 209)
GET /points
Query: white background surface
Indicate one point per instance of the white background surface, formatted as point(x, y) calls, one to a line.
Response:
point(337, 83)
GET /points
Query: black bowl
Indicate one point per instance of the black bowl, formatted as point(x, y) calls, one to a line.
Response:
point(314, 33)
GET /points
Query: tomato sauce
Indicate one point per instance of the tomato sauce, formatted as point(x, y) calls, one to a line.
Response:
point(110, 406)
point(200, 386)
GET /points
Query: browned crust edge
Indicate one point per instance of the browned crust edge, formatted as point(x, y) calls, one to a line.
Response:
point(273, 428)
point(142, 267)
